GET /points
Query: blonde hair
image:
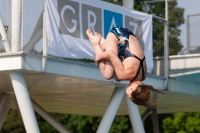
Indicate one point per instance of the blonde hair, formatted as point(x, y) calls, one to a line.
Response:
point(142, 94)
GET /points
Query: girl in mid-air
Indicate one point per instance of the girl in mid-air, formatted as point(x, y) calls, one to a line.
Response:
point(120, 56)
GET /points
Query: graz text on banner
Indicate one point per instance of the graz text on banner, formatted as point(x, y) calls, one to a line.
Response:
point(67, 21)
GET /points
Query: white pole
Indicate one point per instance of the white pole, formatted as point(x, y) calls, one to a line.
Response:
point(111, 110)
point(16, 12)
point(33, 41)
point(24, 102)
point(49, 118)
point(166, 41)
point(44, 34)
point(145, 114)
point(188, 35)
point(4, 36)
point(1, 97)
point(128, 4)
point(5, 106)
point(134, 116)
point(44, 40)
point(17, 106)
point(2, 30)
point(36, 35)
point(155, 120)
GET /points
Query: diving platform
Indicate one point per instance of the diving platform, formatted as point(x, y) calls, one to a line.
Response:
point(66, 86)
point(62, 85)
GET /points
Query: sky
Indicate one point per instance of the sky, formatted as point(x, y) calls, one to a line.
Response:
point(191, 7)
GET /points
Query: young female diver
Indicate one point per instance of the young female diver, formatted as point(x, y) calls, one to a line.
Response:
point(120, 56)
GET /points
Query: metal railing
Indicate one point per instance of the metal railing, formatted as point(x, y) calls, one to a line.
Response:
point(24, 33)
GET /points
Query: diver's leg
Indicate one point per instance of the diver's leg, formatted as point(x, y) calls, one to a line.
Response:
point(103, 43)
point(111, 54)
point(105, 66)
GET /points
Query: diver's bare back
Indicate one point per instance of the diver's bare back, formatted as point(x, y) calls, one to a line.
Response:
point(133, 63)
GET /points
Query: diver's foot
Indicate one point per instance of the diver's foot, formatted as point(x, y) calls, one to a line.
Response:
point(102, 41)
point(96, 62)
point(94, 39)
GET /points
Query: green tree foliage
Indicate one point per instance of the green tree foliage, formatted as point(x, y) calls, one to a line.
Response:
point(148, 123)
point(73, 123)
point(13, 123)
point(168, 123)
point(182, 123)
point(176, 18)
point(121, 124)
point(139, 5)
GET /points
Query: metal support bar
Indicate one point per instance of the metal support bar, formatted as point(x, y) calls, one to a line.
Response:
point(188, 31)
point(131, 130)
point(36, 36)
point(192, 15)
point(24, 102)
point(49, 118)
point(155, 1)
point(44, 40)
point(146, 114)
point(135, 118)
point(1, 97)
point(187, 35)
point(159, 18)
point(166, 39)
point(44, 34)
point(17, 106)
point(3, 36)
point(155, 121)
point(5, 106)
point(111, 110)
point(2, 30)
point(166, 45)
point(128, 4)
point(16, 13)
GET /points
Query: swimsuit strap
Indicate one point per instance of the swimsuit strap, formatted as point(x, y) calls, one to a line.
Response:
point(141, 65)
point(119, 31)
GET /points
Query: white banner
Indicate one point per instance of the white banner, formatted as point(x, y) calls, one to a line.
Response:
point(68, 20)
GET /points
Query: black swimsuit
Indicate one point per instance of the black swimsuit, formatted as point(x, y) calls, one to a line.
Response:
point(123, 53)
